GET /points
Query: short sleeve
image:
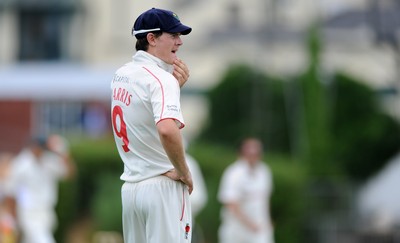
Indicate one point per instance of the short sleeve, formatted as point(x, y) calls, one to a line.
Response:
point(165, 100)
point(229, 190)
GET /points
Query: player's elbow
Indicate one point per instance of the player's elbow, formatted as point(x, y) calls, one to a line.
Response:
point(167, 128)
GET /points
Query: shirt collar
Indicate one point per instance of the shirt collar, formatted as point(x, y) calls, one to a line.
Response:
point(145, 57)
point(246, 164)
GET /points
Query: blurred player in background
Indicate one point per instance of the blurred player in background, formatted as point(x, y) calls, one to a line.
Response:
point(33, 184)
point(245, 191)
point(199, 197)
point(146, 119)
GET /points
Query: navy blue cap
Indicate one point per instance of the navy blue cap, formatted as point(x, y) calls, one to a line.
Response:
point(158, 20)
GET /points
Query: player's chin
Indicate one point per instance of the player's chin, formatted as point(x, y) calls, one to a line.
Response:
point(173, 56)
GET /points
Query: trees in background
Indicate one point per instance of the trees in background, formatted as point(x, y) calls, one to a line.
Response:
point(334, 123)
point(247, 102)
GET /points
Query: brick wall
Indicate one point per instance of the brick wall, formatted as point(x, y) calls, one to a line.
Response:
point(15, 124)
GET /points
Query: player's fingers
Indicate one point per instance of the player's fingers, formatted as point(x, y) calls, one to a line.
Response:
point(181, 79)
point(183, 72)
point(189, 184)
point(172, 175)
point(188, 181)
point(190, 189)
point(179, 63)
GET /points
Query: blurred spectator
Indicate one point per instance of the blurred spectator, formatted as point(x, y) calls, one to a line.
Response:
point(245, 190)
point(33, 184)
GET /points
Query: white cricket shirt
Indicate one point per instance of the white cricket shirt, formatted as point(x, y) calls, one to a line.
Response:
point(144, 92)
point(34, 182)
point(250, 188)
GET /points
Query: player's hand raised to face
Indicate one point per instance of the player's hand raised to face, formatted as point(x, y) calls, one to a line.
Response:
point(181, 71)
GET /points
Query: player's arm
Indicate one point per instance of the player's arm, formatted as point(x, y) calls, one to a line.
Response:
point(171, 140)
point(181, 72)
point(70, 165)
point(234, 208)
point(59, 145)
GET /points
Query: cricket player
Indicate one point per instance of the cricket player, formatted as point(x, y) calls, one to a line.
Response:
point(33, 182)
point(245, 189)
point(146, 120)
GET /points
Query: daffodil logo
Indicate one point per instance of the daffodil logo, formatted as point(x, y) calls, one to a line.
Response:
point(176, 16)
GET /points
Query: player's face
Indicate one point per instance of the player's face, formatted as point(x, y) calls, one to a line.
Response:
point(166, 46)
point(252, 151)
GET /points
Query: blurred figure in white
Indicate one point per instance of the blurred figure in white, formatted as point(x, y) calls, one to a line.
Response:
point(33, 183)
point(199, 196)
point(245, 191)
point(8, 229)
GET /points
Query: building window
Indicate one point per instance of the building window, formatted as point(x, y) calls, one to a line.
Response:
point(44, 28)
point(58, 117)
point(72, 118)
point(39, 35)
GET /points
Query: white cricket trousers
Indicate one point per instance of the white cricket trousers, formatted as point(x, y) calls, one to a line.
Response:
point(156, 210)
point(235, 232)
point(37, 225)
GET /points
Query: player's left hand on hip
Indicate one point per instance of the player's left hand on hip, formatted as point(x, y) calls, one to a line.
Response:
point(172, 174)
point(181, 71)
